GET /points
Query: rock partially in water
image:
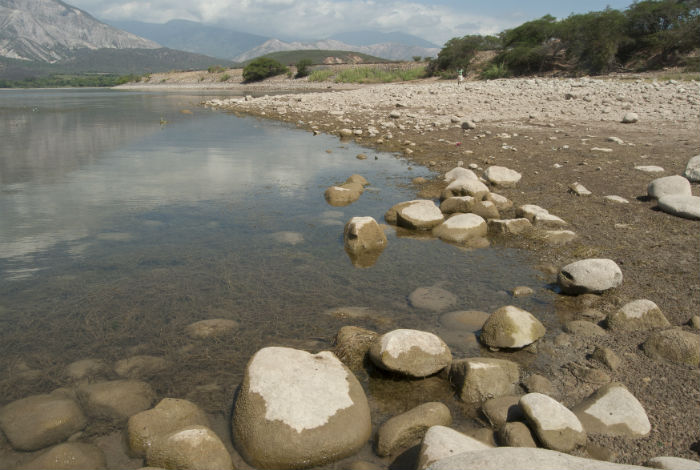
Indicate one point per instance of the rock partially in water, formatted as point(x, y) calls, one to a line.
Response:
point(359, 179)
point(189, 447)
point(461, 227)
point(352, 344)
point(70, 455)
point(211, 328)
point(509, 226)
point(511, 327)
point(410, 352)
point(343, 194)
point(440, 442)
point(486, 209)
point(420, 214)
point(479, 379)
point(613, 411)
point(556, 427)
point(692, 170)
point(681, 205)
point(407, 428)
point(116, 399)
point(39, 421)
point(167, 416)
point(641, 314)
point(363, 234)
point(432, 298)
point(458, 204)
point(674, 185)
point(138, 367)
point(502, 176)
point(288, 238)
point(296, 410)
point(674, 345)
point(594, 275)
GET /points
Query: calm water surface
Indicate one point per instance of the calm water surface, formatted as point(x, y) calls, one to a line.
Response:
point(123, 219)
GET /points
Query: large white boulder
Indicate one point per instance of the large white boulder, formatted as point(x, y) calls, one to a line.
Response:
point(680, 205)
point(410, 352)
point(421, 214)
point(363, 234)
point(502, 176)
point(296, 410)
point(440, 442)
point(466, 187)
point(460, 172)
point(593, 275)
point(692, 170)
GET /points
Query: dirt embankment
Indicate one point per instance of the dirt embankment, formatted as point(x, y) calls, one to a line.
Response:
point(556, 132)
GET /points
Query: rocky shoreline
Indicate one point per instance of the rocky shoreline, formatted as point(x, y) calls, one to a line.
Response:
point(579, 172)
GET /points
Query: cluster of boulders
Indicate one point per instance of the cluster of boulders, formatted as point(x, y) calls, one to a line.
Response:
point(346, 193)
point(673, 193)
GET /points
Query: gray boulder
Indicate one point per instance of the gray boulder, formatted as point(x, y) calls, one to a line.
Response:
point(593, 275)
point(479, 379)
point(486, 209)
point(641, 314)
point(39, 421)
point(86, 369)
point(513, 458)
point(630, 118)
point(359, 179)
point(502, 176)
point(191, 447)
point(167, 416)
point(296, 410)
point(692, 170)
point(116, 399)
point(668, 186)
point(674, 345)
point(440, 442)
point(410, 352)
point(681, 205)
point(405, 429)
point(511, 327)
point(613, 411)
point(466, 187)
point(421, 214)
point(458, 173)
point(363, 234)
point(457, 204)
point(70, 455)
point(502, 203)
point(210, 328)
point(461, 227)
point(556, 427)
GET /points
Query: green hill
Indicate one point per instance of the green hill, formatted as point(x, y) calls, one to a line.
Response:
point(318, 57)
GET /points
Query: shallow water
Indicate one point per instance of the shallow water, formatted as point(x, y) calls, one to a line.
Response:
point(124, 219)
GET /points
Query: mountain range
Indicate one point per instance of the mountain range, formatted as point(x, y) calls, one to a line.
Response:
point(49, 36)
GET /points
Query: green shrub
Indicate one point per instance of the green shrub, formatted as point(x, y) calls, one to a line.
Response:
point(321, 75)
point(379, 75)
point(494, 71)
point(303, 68)
point(262, 68)
point(459, 52)
point(224, 77)
point(416, 58)
point(215, 69)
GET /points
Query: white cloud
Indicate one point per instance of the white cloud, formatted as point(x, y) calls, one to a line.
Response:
point(306, 19)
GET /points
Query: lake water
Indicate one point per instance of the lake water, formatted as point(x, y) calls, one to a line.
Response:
point(126, 216)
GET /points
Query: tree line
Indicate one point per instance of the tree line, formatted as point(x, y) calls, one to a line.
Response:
point(648, 34)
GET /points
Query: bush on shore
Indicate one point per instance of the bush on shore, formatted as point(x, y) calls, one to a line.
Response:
point(262, 68)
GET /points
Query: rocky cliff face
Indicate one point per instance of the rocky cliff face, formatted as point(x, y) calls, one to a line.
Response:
point(50, 30)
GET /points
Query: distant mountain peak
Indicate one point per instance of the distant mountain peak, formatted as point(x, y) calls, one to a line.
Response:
point(49, 30)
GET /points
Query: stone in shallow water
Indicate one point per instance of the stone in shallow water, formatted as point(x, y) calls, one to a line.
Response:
point(39, 421)
point(410, 352)
point(420, 215)
point(71, 455)
point(288, 238)
point(211, 328)
point(85, 368)
point(432, 298)
point(189, 447)
point(440, 442)
point(297, 410)
point(461, 227)
point(116, 399)
point(363, 234)
point(136, 367)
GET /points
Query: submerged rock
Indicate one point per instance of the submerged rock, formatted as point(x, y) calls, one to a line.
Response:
point(432, 298)
point(461, 227)
point(343, 195)
point(211, 328)
point(410, 352)
point(136, 367)
point(70, 455)
point(39, 421)
point(116, 399)
point(297, 410)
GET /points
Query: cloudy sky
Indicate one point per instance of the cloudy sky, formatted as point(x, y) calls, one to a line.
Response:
point(434, 20)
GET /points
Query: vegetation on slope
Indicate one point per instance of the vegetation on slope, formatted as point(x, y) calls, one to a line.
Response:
point(318, 57)
point(649, 34)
